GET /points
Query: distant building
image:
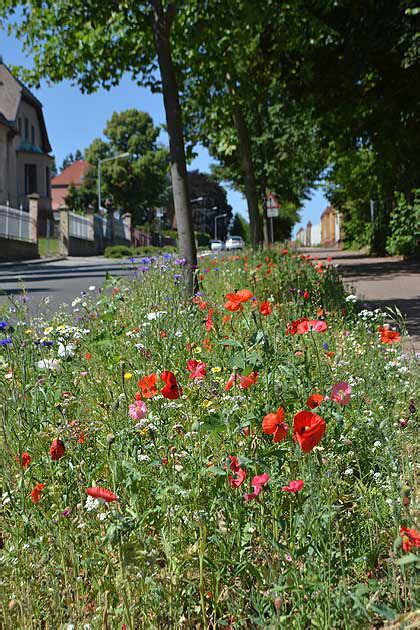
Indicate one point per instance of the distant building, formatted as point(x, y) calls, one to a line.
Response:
point(73, 175)
point(331, 227)
point(25, 163)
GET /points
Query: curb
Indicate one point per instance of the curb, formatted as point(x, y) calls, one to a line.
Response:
point(26, 263)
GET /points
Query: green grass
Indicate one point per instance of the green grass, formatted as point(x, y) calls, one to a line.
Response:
point(180, 548)
point(48, 246)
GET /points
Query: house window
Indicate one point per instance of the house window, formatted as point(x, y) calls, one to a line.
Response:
point(26, 129)
point(33, 134)
point(48, 181)
point(30, 179)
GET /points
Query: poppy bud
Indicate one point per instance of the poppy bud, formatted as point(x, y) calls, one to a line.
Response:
point(403, 422)
point(110, 438)
point(412, 407)
point(57, 449)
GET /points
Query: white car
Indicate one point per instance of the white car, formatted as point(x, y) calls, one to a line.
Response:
point(235, 242)
point(217, 246)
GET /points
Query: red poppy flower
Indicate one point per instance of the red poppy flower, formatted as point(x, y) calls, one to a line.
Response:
point(234, 301)
point(37, 492)
point(24, 459)
point(311, 325)
point(172, 390)
point(389, 336)
point(239, 474)
point(207, 344)
point(257, 483)
point(294, 486)
point(308, 429)
point(292, 327)
point(273, 424)
point(314, 400)
point(209, 320)
point(147, 385)
point(226, 319)
point(410, 538)
point(197, 370)
point(202, 305)
point(102, 494)
point(243, 381)
point(88, 356)
point(266, 308)
point(57, 449)
point(306, 295)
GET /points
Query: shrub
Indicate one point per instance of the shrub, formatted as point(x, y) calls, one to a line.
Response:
point(203, 239)
point(117, 251)
point(404, 234)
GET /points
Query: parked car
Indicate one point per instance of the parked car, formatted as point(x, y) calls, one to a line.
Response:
point(217, 246)
point(235, 242)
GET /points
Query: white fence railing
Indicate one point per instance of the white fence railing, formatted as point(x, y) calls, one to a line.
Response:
point(15, 224)
point(79, 227)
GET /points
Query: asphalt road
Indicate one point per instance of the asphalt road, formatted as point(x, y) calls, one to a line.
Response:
point(61, 281)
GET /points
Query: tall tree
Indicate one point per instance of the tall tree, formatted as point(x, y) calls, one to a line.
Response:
point(94, 44)
point(133, 183)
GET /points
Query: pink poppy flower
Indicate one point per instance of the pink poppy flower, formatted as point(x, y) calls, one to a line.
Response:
point(137, 410)
point(257, 483)
point(340, 393)
point(311, 325)
point(294, 486)
point(197, 370)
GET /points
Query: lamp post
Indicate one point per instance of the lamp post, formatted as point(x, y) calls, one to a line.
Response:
point(108, 159)
point(218, 216)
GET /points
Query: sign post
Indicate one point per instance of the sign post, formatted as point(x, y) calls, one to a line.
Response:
point(272, 212)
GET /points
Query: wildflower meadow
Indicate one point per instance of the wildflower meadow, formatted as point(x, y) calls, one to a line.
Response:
point(241, 459)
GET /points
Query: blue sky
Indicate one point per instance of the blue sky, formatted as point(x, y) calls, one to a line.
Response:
point(74, 119)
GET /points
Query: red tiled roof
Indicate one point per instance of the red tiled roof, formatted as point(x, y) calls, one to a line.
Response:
point(73, 174)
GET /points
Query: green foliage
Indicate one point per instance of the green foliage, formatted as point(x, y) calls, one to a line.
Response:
point(122, 251)
point(404, 226)
point(132, 184)
point(202, 238)
point(180, 547)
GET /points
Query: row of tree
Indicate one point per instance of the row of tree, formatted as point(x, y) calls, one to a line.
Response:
point(139, 181)
point(277, 91)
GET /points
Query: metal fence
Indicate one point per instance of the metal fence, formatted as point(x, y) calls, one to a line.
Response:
point(15, 224)
point(79, 227)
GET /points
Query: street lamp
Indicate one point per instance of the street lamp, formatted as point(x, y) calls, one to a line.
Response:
point(218, 216)
point(108, 159)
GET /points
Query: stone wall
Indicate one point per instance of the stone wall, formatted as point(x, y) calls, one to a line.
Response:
point(11, 250)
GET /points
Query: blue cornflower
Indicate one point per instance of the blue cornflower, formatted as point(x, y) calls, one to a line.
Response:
point(5, 341)
point(167, 256)
point(325, 345)
point(145, 261)
point(3, 325)
point(180, 261)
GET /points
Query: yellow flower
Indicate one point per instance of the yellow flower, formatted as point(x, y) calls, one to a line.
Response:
point(217, 368)
point(127, 376)
point(197, 350)
point(207, 403)
point(48, 330)
point(29, 331)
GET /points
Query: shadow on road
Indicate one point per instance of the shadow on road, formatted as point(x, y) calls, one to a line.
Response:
point(374, 270)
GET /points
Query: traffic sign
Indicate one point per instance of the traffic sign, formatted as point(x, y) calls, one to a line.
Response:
point(272, 206)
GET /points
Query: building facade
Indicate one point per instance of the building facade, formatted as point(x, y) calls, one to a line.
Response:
point(25, 163)
point(331, 227)
point(73, 175)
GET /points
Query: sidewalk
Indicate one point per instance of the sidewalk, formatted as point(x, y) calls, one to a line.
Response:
point(380, 283)
point(35, 261)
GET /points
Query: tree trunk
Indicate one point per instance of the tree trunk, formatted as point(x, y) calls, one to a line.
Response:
point(249, 176)
point(162, 22)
